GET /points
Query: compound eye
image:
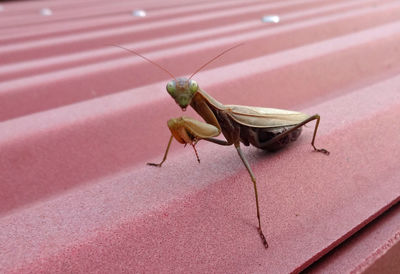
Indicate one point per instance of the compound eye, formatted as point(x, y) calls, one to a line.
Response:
point(171, 88)
point(193, 86)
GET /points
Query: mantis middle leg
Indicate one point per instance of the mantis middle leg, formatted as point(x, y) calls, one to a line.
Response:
point(253, 179)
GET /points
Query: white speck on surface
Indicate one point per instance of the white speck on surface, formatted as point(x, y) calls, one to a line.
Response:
point(1, 8)
point(270, 19)
point(139, 13)
point(46, 12)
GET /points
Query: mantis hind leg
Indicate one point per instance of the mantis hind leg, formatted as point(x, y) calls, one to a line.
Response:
point(253, 179)
point(280, 136)
point(317, 117)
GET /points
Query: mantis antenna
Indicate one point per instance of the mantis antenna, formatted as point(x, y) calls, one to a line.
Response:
point(213, 59)
point(169, 73)
point(145, 58)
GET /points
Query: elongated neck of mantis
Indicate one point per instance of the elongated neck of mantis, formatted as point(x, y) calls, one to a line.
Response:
point(206, 106)
point(210, 100)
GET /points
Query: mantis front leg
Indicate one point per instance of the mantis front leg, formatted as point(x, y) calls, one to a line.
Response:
point(187, 130)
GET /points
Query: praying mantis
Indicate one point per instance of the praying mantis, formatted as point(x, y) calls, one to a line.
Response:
point(265, 128)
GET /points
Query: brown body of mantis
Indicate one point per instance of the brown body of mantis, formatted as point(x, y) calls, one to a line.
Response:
point(265, 128)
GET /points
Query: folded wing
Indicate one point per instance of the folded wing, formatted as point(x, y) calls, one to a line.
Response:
point(265, 117)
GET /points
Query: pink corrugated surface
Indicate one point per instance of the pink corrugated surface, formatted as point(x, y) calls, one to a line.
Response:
point(374, 248)
point(80, 118)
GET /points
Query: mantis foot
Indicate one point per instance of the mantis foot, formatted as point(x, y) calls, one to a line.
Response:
point(264, 241)
point(153, 164)
point(324, 151)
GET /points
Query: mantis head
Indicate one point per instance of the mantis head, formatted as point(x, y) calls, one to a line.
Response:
point(182, 90)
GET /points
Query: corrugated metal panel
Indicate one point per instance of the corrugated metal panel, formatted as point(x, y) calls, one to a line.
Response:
point(81, 117)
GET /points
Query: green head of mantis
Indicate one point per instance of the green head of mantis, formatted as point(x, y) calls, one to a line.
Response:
point(182, 90)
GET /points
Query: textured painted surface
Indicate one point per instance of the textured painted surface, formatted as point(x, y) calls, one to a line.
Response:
point(374, 247)
point(79, 119)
